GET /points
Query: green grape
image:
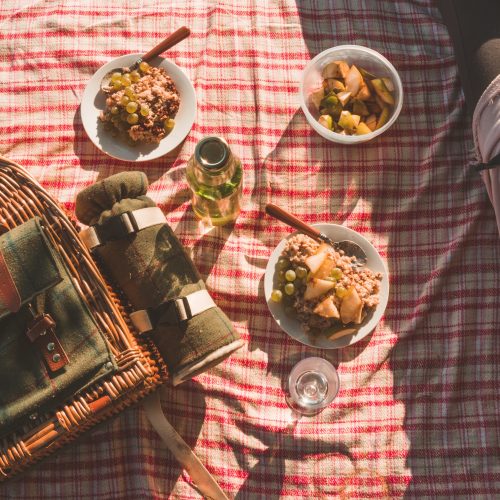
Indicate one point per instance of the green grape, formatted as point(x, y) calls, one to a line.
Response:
point(336, 273)
point(116, 77)
point(340, 291)
point(289, 288)
point(125, 80)
point(144, 110)
point(130, 93)
point(135, 76)
point(283, 263)
point(117, 86)
point(144, 67)
point(290, 275)
point(301, 272)
point(124, 100)
point(115, 110)
point(133, 118)
point(276, 295)
point(131, 107)
point(169, 124)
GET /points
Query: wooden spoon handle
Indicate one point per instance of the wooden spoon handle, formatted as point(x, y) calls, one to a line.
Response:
point(292, 221)
point(171, 40)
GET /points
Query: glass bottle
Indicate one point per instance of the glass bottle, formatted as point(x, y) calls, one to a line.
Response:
point(215, 177)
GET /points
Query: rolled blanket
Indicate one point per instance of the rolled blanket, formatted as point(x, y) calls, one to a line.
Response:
point(146, 260)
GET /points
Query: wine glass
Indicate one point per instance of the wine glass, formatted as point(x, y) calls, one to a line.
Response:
point(313, 384)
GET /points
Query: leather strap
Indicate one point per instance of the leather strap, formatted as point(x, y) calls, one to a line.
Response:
point(9, 294)
point(203, 480)
point(122, 225)
point(172, 311)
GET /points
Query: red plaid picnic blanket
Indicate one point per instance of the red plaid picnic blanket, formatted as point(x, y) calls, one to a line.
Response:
point(417, 415)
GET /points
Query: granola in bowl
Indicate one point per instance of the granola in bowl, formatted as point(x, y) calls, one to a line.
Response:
point(141, 104)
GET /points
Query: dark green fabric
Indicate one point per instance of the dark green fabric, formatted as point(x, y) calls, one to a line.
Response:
point(25, 385)
point(151, 267)
point(17, 246)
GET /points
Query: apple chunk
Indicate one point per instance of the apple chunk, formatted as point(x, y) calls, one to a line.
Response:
point(316, 287)
point(314, 262)
point(351, 307)
point(327, 309)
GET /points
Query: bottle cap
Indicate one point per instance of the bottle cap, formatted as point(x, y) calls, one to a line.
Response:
point(212, 152)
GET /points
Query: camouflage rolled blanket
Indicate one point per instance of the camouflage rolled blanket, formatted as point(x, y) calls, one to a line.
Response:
point(146, 260)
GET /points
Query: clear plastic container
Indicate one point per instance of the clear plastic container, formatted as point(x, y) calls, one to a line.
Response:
point(368, 59)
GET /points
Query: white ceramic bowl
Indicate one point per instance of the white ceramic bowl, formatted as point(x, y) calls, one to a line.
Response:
point(353, 54)
point(292, 326)
point(93, 102)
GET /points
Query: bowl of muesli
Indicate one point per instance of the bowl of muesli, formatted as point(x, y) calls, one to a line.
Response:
point(144, 113)
point(321, 297)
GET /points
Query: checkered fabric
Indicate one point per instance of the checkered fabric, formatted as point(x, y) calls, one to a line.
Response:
point(417, 415)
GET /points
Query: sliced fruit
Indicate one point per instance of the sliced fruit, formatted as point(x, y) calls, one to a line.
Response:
point(346, 121)
point(342, 333)
point(362, 129)
point(359, 108)
point(316, 287)
point(382, 91)
point(343, 68)
point(384, 117)
point(366, 74)
point(364, 93)
point(388, 84)
point(351, 307)
point(327, 309)
point(331, 70)
point(371, 122)
point(316, 97)
point(353, 80)
point(380, 103)
point(315, 261)
point(334, 85)
point(331, 105)
point(326, 121)
point(344, 97)
point(325, 269)
point(356, 119)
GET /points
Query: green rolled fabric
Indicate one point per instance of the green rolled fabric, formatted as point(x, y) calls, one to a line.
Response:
point(151, 267)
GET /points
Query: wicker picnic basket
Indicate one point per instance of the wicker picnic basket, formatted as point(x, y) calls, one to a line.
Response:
point(140, 366)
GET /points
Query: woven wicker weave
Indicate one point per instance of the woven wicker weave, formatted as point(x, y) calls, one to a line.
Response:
point(141, 368)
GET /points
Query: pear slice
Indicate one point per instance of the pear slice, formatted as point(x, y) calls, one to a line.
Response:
point(314, 262)
point(344, 97)
point(346, 121)
point(316, 97)
point(316, 288)
point(343, 68)
point(334, 85)
point(388, 84)
point(371, 122)
point(351, 307)
point(366, 74)
point(382, 91)
point(331, 70)
point(327, 309)
point(362, 129)
point(384, 117)
point(326, 121)
point(326, 268)
point(364, 93)
point(356, 119)
point(353, 80)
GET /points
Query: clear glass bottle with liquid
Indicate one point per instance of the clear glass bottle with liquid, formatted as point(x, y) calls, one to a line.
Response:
point(215, 176)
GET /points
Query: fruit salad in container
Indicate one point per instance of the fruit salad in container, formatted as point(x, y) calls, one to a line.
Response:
point(322, 288)
point(141, 104)
point(353, 101)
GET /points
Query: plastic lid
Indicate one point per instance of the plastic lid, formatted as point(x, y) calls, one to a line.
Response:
point(212, 152)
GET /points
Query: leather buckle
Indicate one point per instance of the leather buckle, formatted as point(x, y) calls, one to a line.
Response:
point(117, 227)
point(41, 332)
